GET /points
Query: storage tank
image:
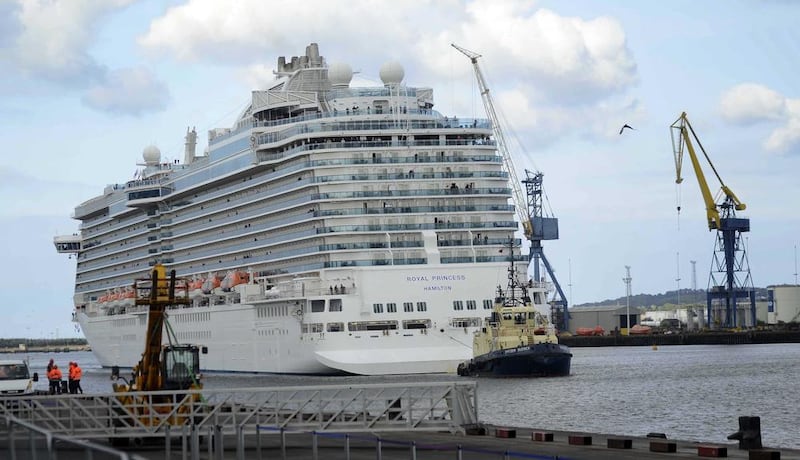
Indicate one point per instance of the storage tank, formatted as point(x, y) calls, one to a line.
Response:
point(783, 304)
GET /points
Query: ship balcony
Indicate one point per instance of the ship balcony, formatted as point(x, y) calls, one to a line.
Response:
point(68, 244)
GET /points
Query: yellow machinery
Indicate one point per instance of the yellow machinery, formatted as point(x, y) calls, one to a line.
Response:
point(162, 367)
point(733, 279)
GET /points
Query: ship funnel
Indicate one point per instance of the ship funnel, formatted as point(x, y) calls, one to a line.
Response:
point(190, 146)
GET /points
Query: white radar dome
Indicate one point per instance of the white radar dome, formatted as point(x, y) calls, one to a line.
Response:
point(340, 74)
point(151, 155)
point(392, 73)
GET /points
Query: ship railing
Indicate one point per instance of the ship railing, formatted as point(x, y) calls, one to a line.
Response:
point(433, 406)
point(349, 145)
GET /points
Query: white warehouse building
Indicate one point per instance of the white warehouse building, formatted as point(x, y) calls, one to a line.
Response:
point(783, 304)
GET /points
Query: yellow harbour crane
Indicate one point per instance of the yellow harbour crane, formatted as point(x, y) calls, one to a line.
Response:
point(730, 278)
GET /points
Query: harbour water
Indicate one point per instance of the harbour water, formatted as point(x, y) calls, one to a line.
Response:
point(687, 392)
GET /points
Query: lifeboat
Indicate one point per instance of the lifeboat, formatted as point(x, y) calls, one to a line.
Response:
point(211, 283)
point(590, 331)
point(234, 279)
point(127, 297)
point(196, 287)
point(638, 329)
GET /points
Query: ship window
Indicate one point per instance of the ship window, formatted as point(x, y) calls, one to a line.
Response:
point(335, 327)
point(465, 322)
point(391, 308)
point(417, 324)
point(317, 306)
point(458, 305)
point(408, 306)
point(336, 305)
point(377, 308)
point(471, 305)
point(422, 306)
point(487, 304)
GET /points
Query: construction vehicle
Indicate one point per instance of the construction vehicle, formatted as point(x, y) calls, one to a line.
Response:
point(173, 367)
point(535, 226)
point(729, 279)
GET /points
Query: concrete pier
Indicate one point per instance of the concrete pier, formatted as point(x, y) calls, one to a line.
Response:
point(434, 446)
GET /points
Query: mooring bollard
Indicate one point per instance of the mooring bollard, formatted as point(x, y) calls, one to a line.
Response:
point(749, 434)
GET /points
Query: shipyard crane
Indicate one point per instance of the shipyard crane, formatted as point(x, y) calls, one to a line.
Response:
point(535, 226)
point(729, 262)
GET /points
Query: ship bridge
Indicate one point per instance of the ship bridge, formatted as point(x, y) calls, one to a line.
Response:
point(68, 244)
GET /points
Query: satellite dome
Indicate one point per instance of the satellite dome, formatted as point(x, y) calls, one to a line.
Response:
point(340, 74)
point(392, 73)
point(151, 155)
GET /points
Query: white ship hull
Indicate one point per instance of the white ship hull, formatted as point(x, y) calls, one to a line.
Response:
point(238, 340)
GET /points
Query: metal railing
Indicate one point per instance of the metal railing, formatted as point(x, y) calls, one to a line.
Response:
point(23, 440)
point(445, 406)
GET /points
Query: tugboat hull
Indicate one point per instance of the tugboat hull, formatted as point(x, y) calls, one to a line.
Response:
point(540, 360)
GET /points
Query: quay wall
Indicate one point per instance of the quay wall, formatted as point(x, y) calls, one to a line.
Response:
point(695, 338)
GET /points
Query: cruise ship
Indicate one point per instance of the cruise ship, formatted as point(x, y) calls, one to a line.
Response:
point(333, 229)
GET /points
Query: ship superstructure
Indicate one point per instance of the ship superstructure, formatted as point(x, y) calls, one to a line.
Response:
point(331, 229)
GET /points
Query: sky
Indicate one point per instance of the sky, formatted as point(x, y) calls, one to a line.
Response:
point(88, 84)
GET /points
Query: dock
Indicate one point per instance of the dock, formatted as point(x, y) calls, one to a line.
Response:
point(684, 338)
point(390, 421)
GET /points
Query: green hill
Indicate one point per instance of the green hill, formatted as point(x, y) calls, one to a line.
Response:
point(668, 299)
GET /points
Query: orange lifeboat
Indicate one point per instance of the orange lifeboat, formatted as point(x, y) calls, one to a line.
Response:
point(638, 329)
point(127, 296)
point(195, 287)
point(234, 279)
point(211, 283)
point(590, 331)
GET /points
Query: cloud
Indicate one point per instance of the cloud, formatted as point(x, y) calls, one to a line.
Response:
point(54, 36)
point(128, 91)
point(547, 64)
point(10, 26)
point(49, 40)
point(751, 103)
point(786, 138)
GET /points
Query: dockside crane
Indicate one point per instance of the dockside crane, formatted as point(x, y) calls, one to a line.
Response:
point(535, 226)
point(729, 279)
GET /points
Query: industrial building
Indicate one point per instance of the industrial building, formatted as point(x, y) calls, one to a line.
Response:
point(783, 304)
point(607, 317)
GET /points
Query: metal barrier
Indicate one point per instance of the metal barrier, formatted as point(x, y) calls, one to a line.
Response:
point(26, 441)
point(445, 406)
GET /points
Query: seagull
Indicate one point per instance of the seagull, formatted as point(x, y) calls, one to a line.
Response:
point(626, 126)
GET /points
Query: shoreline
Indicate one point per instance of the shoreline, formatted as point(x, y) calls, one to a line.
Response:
point(752, 337)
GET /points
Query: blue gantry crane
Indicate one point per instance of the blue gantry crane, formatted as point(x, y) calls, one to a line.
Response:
point(535, 225)
point(729, 279)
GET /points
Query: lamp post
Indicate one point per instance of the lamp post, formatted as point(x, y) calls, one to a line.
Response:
point(627, 281)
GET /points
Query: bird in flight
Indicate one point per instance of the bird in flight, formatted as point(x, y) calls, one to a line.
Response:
point(626, 126)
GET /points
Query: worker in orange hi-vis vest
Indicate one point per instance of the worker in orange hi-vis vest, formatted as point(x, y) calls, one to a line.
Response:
point(54, 376)
point(75, 373)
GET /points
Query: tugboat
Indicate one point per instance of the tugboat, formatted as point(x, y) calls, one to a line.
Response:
point(518, 340)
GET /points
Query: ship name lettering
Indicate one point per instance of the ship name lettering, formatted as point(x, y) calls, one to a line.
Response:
point(438, 288)
point(413, 279)
point(449, 277)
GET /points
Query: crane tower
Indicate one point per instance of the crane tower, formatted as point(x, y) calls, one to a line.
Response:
point(729, 279)
point(535, 225)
